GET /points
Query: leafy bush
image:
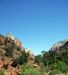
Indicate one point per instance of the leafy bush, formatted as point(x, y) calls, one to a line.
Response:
point(54, 72)
point(42, 68)
point(65, 69)
point(26, 70)
point(1, 73)
point(9, 50)
point(60, 66)
point(21, 60)
point(38, 59)
point(15, 62)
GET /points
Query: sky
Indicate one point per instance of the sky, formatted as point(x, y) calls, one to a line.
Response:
point(37, 23)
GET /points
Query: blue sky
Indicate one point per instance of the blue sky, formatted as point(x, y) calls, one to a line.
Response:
point(37, 23)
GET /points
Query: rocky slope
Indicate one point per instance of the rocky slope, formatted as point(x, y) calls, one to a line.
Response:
point(13, 55)
point(59, 44)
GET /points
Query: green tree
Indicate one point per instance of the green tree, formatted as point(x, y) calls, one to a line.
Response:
point(38, 59)
point(9, 50)
point(23, 58)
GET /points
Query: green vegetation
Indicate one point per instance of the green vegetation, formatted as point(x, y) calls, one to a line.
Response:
point(21, 60)
point(26, 70)
point(54, 62)
point(9, 50)
point(38, 59)
point(1, 73)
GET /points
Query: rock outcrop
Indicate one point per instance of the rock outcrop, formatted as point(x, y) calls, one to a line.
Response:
point(59, 44)
point(11, 55)
point(9, 35)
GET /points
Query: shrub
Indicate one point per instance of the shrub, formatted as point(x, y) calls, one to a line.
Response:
point(38, 59)
point(9, 50)
point(42, 69)
point(65, 69)
point(54, 72)
point(15, 62)
point(21, 60)
point(60, 66)
point(31, 72)
point(1, 73)
point(26, 70)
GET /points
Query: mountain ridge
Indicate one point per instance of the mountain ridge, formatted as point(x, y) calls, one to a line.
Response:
point(13, 54)
point(59, 44)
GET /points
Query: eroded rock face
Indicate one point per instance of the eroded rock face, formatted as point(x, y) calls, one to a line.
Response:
point(2, 40)
point(10, 70)
point(59, 44)
point(17, 43)
point(1, 64)
point(11, 49)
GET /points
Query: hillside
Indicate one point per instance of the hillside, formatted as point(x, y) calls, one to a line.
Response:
point(17, 60)
point(13, 55)
point(55, 60)
point(59, 44)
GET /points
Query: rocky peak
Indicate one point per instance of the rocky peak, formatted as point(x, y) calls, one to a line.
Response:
point(59, 44)
point(13, 54)
point(9, 35)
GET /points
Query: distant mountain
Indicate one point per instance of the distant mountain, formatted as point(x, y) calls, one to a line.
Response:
point(59, 44)
point(57, 57)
